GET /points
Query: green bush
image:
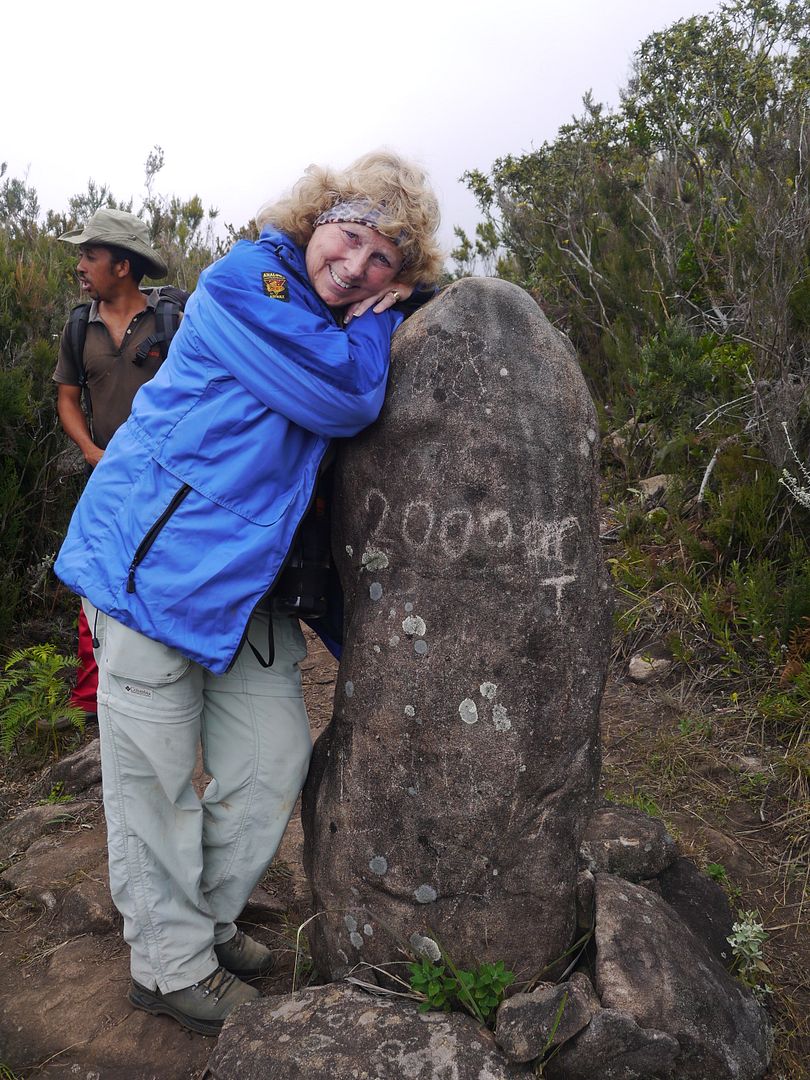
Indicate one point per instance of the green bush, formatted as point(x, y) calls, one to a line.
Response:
point(35, 500)
point(35, 697)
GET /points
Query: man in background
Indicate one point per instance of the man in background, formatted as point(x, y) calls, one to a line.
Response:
point(108, 350)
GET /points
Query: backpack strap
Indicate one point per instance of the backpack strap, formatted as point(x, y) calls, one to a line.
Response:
point(174, 293)
point(168, 316)
point(76, 337)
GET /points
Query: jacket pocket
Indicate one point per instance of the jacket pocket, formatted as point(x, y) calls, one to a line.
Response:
point(151, 536)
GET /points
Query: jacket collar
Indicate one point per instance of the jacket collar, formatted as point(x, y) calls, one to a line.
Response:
point(287, 249)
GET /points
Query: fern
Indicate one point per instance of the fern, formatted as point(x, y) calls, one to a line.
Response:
point(34, 696)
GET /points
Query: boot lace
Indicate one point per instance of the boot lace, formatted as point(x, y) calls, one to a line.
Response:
point(217, 983)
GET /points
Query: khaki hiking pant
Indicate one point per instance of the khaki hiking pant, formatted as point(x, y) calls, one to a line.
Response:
point(183, 867)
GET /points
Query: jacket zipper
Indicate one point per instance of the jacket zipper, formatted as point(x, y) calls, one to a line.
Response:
point(152, 535)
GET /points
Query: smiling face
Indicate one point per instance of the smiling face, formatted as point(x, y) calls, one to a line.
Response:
point(348, 262)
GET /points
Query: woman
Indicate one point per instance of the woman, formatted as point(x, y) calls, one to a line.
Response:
point(180, 540)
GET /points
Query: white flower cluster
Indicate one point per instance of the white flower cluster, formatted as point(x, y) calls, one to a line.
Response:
point(798, 488)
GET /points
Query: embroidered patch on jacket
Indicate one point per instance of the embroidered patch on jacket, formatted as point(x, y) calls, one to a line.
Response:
point(275, 285)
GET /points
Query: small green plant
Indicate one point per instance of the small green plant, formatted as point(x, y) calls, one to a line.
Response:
point(443, 986)
point(747, 937)
point(638, 800)
point(35, 697)
point(7, 1074)
point(754, 785)
point(434, 983)
point(56, 796)
point(717, 872)
point(698, 726)
point(303, 965)
point(547, 1053)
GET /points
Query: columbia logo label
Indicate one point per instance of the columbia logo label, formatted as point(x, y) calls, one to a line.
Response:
point(137, 691)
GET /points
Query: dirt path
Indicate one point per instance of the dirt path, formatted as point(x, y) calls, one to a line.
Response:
point(63, 1010)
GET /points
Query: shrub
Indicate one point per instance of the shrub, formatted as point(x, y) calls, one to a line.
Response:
point(35, 697)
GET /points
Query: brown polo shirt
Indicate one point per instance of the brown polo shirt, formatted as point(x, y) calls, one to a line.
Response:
point(113, 377)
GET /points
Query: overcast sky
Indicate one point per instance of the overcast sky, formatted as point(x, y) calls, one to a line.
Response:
point(242, 95)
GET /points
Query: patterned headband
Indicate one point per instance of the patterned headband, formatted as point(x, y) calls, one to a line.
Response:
point(362, 211)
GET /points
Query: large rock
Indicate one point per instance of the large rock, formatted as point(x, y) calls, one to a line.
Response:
point(614, 1047)
point(449, 795)
point(702, 905)
point(651, 967)
point(79, 772)
point(35, 822)
point(88, 908)
point(341, 1033)
point(628, 843)
point(71, 864)
point(529, 1025)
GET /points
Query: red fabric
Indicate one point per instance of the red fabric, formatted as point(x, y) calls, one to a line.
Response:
point(84, 695)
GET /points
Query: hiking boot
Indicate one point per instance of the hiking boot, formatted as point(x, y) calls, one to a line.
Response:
point(244, 957)
point(201, 1007)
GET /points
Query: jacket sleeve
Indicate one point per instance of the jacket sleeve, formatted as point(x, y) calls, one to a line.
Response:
point(288, 352)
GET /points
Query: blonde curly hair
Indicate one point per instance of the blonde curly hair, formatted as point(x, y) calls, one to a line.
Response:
point(389, 182)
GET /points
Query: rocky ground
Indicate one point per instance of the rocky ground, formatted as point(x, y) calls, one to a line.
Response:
point(63, 1008)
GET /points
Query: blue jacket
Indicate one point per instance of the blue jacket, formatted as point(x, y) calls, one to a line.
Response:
point(187, 520)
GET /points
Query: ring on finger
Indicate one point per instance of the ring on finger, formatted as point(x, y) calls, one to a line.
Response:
point(395, 294)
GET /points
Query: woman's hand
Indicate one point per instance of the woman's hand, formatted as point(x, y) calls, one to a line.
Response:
point(395, 292)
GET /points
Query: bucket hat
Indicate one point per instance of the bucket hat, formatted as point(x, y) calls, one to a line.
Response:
point(118, 228)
